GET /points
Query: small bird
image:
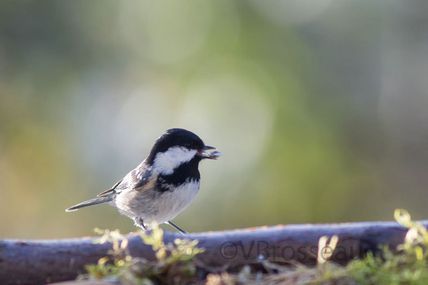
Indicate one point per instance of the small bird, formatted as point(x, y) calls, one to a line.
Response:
point(163, 185)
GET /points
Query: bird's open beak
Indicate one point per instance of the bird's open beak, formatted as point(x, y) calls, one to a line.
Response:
point(209, 152)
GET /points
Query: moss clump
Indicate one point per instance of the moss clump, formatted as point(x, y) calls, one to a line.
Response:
point(175, 264)
point(407, 265)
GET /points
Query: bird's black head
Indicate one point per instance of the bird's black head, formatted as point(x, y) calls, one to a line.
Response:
point(178, 137)
point(179, 145)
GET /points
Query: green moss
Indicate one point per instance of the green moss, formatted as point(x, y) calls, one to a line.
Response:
point(408, 265)
point(174, 262)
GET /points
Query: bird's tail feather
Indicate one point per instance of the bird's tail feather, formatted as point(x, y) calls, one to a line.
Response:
point(95, 201)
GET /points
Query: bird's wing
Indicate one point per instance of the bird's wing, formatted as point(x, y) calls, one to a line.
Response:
point(144, 179)
point(141, 178)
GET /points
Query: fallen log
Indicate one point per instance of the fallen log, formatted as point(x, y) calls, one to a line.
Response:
point(45, 261)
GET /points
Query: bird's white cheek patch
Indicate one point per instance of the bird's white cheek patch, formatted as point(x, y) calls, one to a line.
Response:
point(166, 162)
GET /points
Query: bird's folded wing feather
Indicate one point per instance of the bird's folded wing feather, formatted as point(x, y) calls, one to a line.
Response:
point(141, 178)
point(110, 191)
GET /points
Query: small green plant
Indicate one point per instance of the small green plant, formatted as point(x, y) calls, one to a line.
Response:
point(119, 261)
point(408, 264)
point(173, 264)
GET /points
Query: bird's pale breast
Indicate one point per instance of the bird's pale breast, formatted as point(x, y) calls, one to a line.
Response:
point(155, 206)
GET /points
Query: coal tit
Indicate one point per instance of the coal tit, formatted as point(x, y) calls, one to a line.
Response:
point(163, 185)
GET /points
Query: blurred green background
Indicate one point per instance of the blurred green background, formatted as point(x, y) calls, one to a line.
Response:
point(320, 108)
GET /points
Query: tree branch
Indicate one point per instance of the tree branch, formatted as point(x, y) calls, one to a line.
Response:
point(41, 262)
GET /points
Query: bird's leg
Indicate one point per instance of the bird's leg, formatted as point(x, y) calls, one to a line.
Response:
point(176, 227)
point(140, 223)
